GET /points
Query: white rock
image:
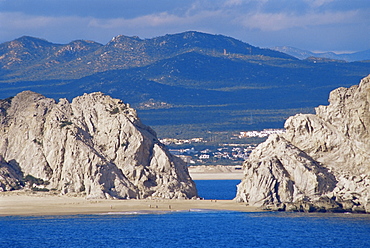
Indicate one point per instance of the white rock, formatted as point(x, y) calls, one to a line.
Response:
point(320, 155)
point(95, 145)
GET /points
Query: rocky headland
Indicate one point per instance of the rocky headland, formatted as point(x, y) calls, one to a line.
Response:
point(321, 163)
point(94, 146)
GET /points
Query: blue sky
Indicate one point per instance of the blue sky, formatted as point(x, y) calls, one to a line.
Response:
point(316, 25)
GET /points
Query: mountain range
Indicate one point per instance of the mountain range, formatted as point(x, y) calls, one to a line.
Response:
point(304, 54)
point(182, 84)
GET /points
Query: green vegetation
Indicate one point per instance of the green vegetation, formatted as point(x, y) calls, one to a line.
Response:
point(40, 189)
point(33, 180)
point(65, 123)
point(114, 111)
point(214, 124)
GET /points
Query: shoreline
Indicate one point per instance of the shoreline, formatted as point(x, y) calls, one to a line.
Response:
point(216, 176)
point(29, 203)
point(217, 172)
point(39, 204)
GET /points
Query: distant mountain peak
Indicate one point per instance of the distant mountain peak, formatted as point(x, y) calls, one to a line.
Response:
point(85, 42)
point(28, 42)
point(123, 38)
point(31, 38)
point(304, 54)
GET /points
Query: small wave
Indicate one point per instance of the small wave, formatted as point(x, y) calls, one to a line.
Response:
point(141, 212)
point(202, 210)
point(145, 212)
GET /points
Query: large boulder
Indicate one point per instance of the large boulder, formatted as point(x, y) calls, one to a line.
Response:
point(94, 145)
point(321, 160)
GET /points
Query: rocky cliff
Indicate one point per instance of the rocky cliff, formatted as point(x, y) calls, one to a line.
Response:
point(321, 162)
point(94, 145)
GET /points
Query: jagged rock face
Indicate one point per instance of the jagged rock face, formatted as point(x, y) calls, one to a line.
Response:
point(94, 145)
point(10, 178)
point(321, 162)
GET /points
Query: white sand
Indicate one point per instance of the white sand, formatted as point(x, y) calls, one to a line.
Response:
point(21, 203)
point(217, 172)
point(41, 203)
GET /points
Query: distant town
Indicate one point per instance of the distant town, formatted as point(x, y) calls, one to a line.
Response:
point(198, 151)
point(263, 133)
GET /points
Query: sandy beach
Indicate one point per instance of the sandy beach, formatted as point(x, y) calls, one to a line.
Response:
point(49, 203)
point(28, 203)
point(216, 176)
point(218, 172)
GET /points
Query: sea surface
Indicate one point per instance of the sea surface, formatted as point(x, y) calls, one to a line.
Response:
point(194, 228)
point(217, 189)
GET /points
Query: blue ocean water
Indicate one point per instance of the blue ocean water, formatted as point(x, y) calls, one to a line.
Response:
point(188, 229)
point(217, 189)
point(196, 228)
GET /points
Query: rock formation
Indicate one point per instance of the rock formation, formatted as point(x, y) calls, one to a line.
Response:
point(94, 145)
point(320, 163)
